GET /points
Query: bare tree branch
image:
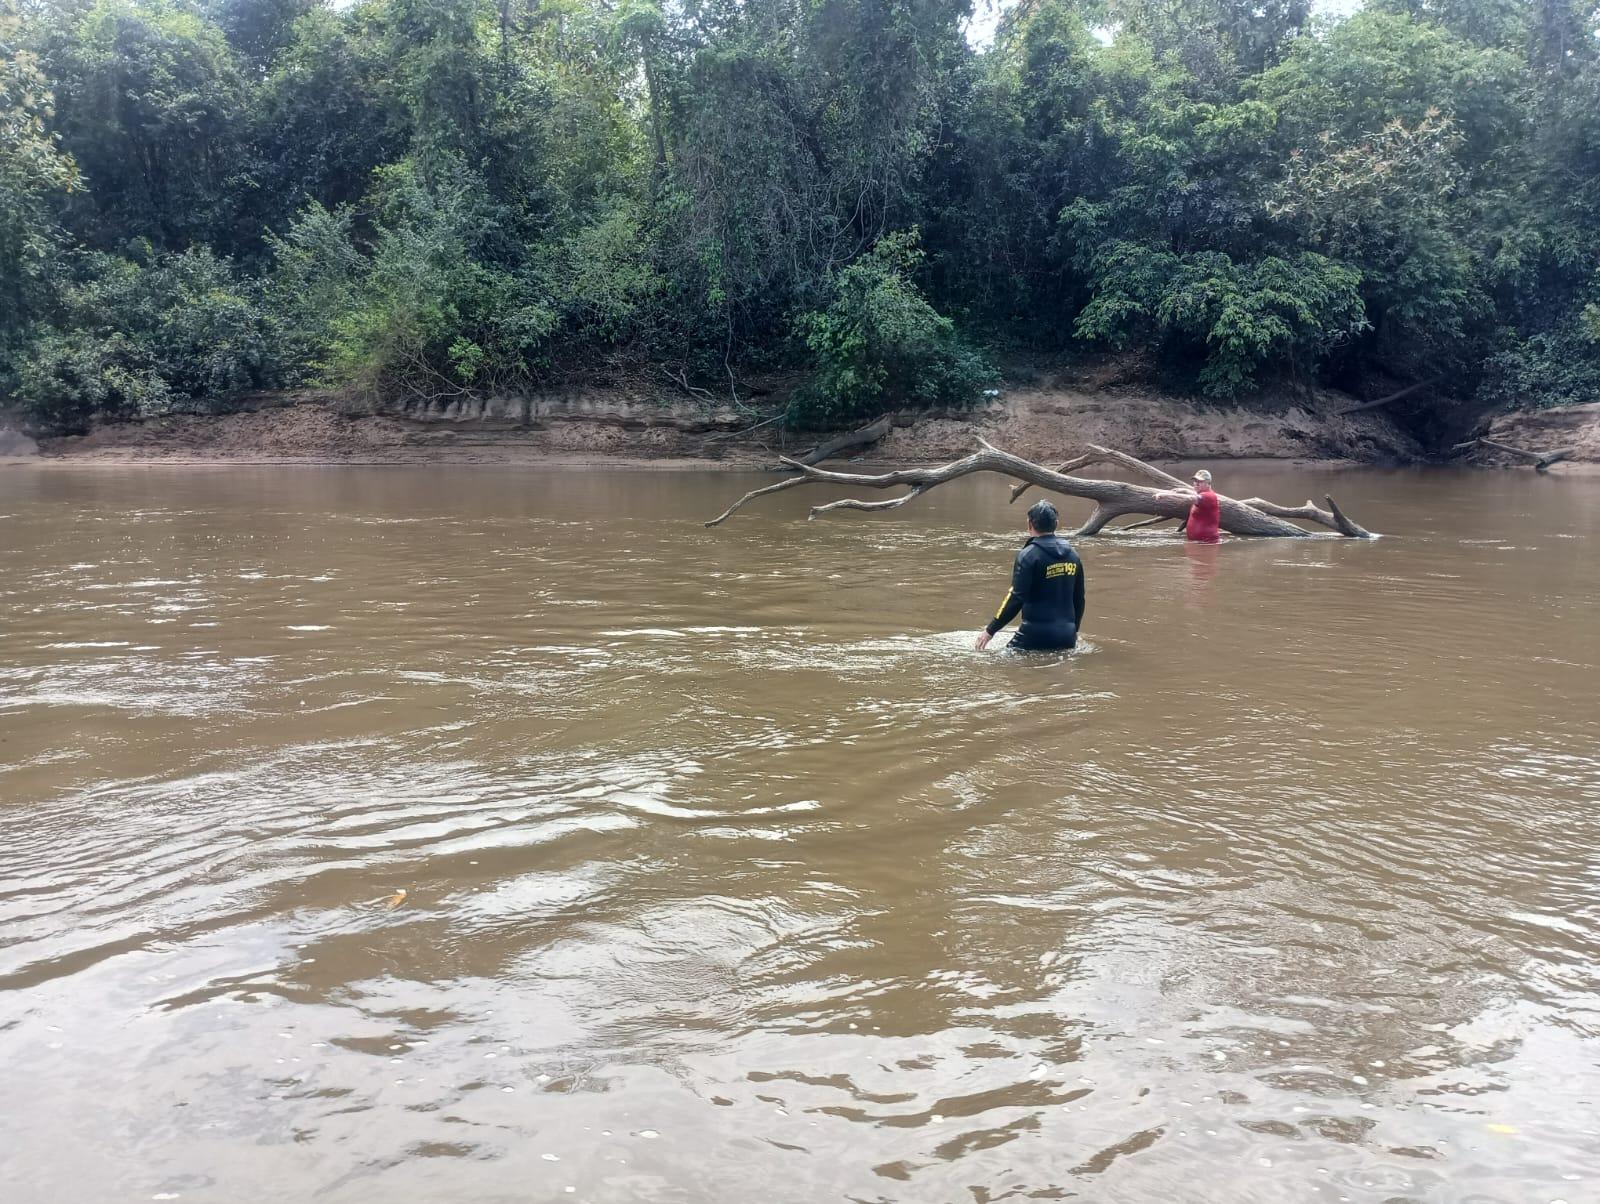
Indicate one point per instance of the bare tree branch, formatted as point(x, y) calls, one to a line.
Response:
point(682, 381)
point(1311, 512)
point(1100, 455)
point(1396, 396)
point(755, 493)
point(852, 504)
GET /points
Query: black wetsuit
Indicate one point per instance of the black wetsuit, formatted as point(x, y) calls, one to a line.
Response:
point(1047, 587)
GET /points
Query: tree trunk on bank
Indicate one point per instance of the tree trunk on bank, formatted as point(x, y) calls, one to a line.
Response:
point(1392, 397)
point(1541, 460)
point(1255, 517)
point(864, 437)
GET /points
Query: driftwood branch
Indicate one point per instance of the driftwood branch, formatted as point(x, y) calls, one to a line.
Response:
point(1112, 499)
point(1396, 396)
point(852, 504)
point(1541, 460)
point(864, 437)
point(789, 483)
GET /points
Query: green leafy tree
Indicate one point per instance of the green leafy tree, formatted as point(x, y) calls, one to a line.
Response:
point(259, 29)
point(1376, 68)
point(428, 308)
point(152, 105)
point(325, 116)
point(144, 335)
point(805, 133)
point(1388, 204)
point(1234, 319)
point(34, 173)
point(879, 345)
point(425, 199)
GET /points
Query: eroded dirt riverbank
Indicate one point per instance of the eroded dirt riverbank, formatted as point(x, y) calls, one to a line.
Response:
point(611, 427)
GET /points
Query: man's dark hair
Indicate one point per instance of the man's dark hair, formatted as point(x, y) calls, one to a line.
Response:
point(1042, 517)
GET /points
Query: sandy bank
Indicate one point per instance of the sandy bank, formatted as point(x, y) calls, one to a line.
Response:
point(1573, 429)
point(616, 428)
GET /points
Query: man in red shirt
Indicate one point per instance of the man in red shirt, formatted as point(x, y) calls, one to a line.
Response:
point(1205, 515)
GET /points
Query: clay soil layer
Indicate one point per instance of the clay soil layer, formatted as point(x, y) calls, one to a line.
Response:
point(1573, 429)
point(616, 427)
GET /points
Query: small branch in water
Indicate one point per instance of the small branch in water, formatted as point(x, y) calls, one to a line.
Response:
point(752, 495)
point(1144, 522)
point(852, 504)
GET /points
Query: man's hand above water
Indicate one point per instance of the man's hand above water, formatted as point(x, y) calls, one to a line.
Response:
point(982, 641)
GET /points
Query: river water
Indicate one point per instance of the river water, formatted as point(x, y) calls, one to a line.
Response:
point(733, 873)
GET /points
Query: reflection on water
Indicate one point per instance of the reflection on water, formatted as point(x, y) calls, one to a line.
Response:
point(1202, 558)
point(732, 872)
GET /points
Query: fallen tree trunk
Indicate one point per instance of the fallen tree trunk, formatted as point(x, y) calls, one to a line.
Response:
point(864, 437)
point(1395, 396)
point(1112, 499)
point(1332, 517)
point(1541, 460)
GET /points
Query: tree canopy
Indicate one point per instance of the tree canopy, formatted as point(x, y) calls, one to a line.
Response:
point(431, 198)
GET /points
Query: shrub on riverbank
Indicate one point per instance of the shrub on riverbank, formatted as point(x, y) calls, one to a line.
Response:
point(879, 345)
point(144, 335)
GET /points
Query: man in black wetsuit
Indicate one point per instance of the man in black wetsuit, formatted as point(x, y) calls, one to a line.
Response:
point(1046, 586)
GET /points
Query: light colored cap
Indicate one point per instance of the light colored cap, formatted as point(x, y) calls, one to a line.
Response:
point(1202, 474)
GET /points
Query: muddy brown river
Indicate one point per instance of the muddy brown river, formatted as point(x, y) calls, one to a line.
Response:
point(732, 873)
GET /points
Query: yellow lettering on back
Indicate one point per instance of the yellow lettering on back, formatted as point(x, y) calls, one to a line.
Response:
point(1065, 569)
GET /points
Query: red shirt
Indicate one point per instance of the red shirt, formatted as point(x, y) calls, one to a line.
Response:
point(1205, 517)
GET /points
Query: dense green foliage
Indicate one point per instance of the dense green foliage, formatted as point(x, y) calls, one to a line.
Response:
point(144, 335)
point(879, 344)
point(428, 198)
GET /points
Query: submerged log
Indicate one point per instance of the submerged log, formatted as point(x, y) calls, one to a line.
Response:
point(1112, 499)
